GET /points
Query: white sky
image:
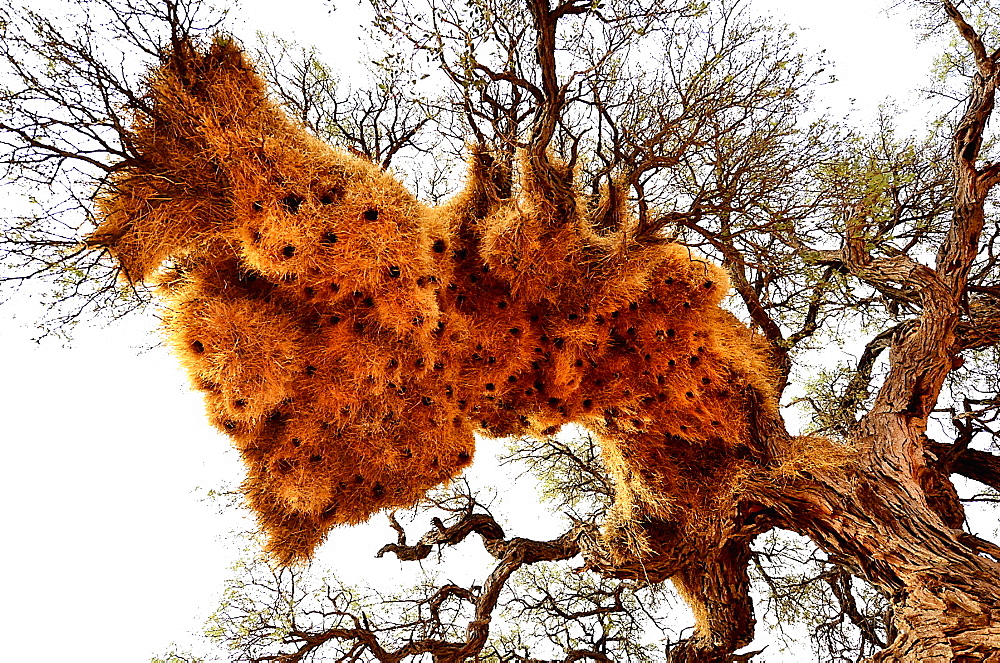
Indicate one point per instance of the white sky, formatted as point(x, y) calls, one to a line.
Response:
point(108, 551)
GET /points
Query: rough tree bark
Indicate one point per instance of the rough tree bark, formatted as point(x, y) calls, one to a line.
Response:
point(883, 515)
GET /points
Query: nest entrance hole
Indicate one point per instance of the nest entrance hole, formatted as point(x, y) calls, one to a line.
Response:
point(292, 202)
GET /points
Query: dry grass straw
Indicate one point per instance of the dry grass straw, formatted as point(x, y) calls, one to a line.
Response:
point(351, 340)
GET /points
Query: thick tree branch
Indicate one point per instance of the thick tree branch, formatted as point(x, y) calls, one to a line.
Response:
point(857, 389)
point(984, 62)
point(980, 328)
point(718, 586)
point(981, 466)
point(478, 523)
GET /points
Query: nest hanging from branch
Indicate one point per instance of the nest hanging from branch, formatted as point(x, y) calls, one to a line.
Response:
point(352, 342)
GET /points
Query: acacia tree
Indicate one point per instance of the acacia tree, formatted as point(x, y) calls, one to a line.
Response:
point(692, 117)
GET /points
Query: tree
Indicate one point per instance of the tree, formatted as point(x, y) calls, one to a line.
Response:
point(708, 146)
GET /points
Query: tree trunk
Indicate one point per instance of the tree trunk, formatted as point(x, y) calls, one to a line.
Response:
point(943, 592)
point(716, 587)
point(889, 515)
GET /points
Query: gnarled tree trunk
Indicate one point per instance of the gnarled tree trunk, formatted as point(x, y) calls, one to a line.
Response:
point(892, 515)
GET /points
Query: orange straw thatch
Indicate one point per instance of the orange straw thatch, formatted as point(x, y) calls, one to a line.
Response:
point(353, 341)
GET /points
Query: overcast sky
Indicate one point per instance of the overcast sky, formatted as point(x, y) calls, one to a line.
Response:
point(110, 552)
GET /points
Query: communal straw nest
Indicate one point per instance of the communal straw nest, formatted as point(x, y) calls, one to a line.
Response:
point(353, 342)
